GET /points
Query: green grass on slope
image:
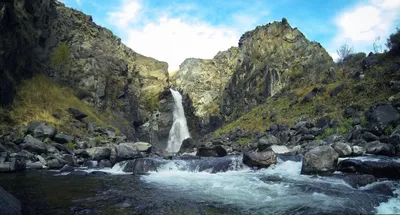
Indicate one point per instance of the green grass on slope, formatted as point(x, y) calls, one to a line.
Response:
point(39, 98)
point(369, 90)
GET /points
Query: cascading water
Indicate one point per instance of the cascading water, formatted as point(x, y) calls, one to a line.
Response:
point(179, 130)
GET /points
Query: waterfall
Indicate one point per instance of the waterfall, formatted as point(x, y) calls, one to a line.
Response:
point(179, 130)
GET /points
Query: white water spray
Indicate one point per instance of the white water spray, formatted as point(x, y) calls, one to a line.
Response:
point(179, 130)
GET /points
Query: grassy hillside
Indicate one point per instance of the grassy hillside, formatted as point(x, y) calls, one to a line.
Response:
point(373, 86)
point(39, 99)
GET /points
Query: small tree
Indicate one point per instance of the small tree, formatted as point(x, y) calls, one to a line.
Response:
point(377, 47)
point(60, 59)
point(393, 42)
point(344, 51)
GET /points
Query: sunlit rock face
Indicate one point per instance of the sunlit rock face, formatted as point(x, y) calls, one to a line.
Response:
point(271, 57)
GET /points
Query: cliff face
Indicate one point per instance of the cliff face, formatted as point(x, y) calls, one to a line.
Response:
point(109, 74)
point(271, 57)
point(23, 24)
point(204, 79)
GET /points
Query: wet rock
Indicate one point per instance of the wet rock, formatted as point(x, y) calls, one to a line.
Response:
point(67, 168)
point(279, 149)
point(70, 159)
point(379, 169)
point(259, 159)
point(64, 138)
point(343, 149)
point(55, 163)
point(267, 141)
point(79, 172)
point(98, 173)
point(212, 151)
point(34, 165)
point(378, 148)
point(77, 114)
point(187, 146)
point(41, 130)
point(356, 180)
point(32, 144)
point(105, 164)
point(142, 146)
point(142, 165)
point(91, 164)
point(9, 204)
point(320, 160)
point(358, 150)
point(286, 157)
point(13, 165)
point(124, 151)
point(99, 153)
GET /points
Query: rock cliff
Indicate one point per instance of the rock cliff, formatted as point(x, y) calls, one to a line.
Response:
point(271, 57)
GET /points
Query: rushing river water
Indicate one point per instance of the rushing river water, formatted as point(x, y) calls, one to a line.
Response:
point(178, 187)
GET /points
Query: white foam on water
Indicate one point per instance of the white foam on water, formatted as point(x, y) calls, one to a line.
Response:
point(390, 207)
point(115, 170)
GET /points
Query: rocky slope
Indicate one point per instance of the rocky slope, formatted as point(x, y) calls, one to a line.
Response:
point(271, 57)
point(204, 79)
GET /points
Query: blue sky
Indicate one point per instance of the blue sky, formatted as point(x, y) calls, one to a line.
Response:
point(173, 30)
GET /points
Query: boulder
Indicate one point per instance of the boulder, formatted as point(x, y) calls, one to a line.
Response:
point(187, 146)
point(9, 205)
point(123, 151)
point(378, 148)
point(320, 160)
point(357, 180)
point(99, 153)
point(63, 138)
point(67, 168)
point(81, 153)
point(62, 148)
point(77, 114)
point(358, 150)
point(34, 165)
point(13, 165)
point(335, 91)
point(380, 116)
point(41, 130)
point(369, 137)
point(267, 141)
point(32, 144)
point(259, 159)
point(279, 149)
point(25, 155)
point(105, 164)
point(211, 151)
point(55, 163)
point(379, 169)
point(91, 164)
point(343, 149)
point(142, 146)
point(70, 159)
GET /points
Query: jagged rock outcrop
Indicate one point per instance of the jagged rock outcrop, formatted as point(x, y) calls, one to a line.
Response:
point(107, 73)
point(271, 57)
point(204, 79)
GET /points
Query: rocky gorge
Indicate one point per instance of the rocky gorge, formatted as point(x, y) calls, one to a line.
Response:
point(273, 126)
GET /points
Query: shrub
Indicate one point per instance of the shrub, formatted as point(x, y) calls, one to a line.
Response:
point(393, 42)
point(60, 60)
point(344, 51)
point(71, 145)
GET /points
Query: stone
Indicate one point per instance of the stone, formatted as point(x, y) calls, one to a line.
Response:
point(259, 159)
point(25, 155)
point(335, 91)
point(34, 165)
point(63, 148)
point(142, 146)
point(9, 204)
point(369, 137)
point(378, 148)
point(124, 151)
point(343, 149)
point(212, 151)
point(105, 164)
point(64, 138)
point(41, 130)
point(380, 116)
point(358, 180)
point(91, 164)
point(70, 159)
point(320, 160)
point(67, 168)
point(358, 150)
point(267, 141)
point(279, 149)
point(99, 153)
point(55, 163)
point(81, 153)
point(187, 146)
point(379, 169)
point(32, 144)
point(77, 114)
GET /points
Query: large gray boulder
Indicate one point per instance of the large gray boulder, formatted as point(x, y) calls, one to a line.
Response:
point(13, 165)
point(320, 160)
point(358, 150)
point(343, 149)
point(187, 146)
point(41, 130)
point(124, 151)
point(211, 151)
point(64, 138)
point(9, 205)
point(279, 149)
point(99, 153)
point(259, 159)
point(381, 115)
point(378, 148)
point(267, 141)
point(32, 144)
point(142, 146)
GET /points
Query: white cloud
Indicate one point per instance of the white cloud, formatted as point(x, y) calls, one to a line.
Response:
point(175, 33)
point(359, 26)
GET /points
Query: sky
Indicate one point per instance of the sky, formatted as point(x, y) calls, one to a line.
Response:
point(173, 30)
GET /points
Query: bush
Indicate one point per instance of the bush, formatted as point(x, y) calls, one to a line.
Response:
point(60, 60)
point(393, 42)
point(344, 51)
point(71, 145)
